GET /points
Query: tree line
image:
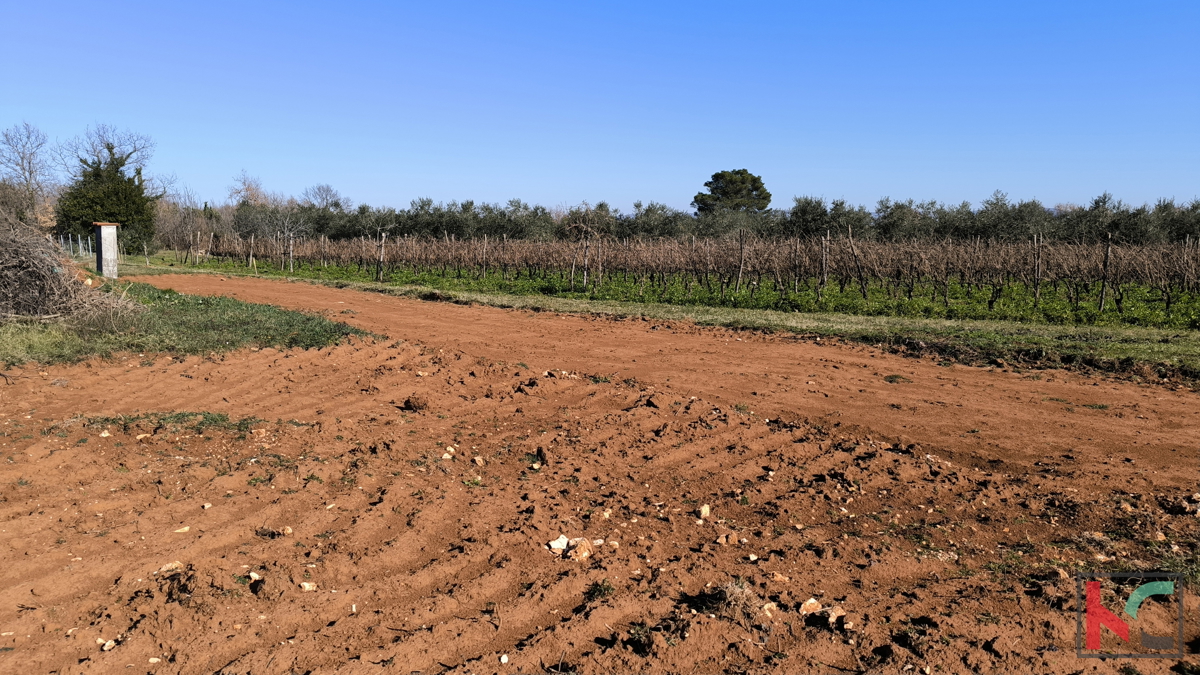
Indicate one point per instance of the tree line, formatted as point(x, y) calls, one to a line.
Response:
point(998, 219)
point(102, 176)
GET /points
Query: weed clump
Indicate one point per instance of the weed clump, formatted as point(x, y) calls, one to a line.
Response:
point(598, 591)
point(737, 601)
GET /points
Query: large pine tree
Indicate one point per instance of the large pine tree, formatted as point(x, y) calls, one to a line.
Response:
point(737, 190)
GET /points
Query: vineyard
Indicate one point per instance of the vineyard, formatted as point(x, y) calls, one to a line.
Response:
point(1050, 282)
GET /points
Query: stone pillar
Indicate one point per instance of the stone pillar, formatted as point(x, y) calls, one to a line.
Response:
point(106, 249)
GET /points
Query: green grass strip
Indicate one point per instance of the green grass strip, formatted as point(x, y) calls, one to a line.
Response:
point(172, 323)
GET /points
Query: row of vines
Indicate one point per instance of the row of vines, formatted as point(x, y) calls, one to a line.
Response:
point(1156, 283)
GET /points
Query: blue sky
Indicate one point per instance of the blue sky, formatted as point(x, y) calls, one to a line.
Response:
point(557, 103)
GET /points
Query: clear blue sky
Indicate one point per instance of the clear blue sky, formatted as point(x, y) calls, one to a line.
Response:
point(560, 102)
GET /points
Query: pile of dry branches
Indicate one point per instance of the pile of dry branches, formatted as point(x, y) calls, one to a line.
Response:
point(38, 283)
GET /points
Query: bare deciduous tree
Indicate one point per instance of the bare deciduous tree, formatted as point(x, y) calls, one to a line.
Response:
point(247, 189)
point(325, 197)
point(24, 162)
point(93, 146)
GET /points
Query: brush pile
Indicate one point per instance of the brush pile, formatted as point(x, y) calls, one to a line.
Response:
point(39, 283)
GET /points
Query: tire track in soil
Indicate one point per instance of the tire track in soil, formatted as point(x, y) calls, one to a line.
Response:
point(939, 555)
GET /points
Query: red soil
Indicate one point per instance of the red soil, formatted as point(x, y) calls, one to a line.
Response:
point(943, 513)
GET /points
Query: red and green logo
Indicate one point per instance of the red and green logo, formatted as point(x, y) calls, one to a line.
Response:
point(1147, 621)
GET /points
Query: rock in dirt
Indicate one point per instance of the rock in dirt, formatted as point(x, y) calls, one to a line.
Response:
point(810, 606)
point(704, 511)
point(559, 544)
point(307, 586)
point(416, 403)
point(579, 549)
point(183, 529)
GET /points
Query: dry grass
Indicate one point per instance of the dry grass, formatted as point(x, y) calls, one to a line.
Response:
point(737, 601)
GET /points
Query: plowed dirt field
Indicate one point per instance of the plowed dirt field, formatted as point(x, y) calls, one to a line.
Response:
point(732, 502)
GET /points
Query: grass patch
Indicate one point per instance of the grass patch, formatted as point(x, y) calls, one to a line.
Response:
point(172, 323)
point(1186, 565)
point(1148, 353)
point(175, 421)
point(598, 590)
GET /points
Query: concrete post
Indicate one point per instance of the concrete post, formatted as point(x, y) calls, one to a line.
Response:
point(106, 249)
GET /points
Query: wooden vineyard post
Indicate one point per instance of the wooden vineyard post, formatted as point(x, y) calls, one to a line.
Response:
point(862, 277)
point(574, 255)
point(379, 265)
point(1037, 269)
point(796, 265)
point(741, 259)
point(586, 243)
point(824, 265)
point(598, 277)
point(1104, 279)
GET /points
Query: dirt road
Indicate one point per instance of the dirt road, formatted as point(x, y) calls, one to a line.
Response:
point(734, 502)
point(1018, 416)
